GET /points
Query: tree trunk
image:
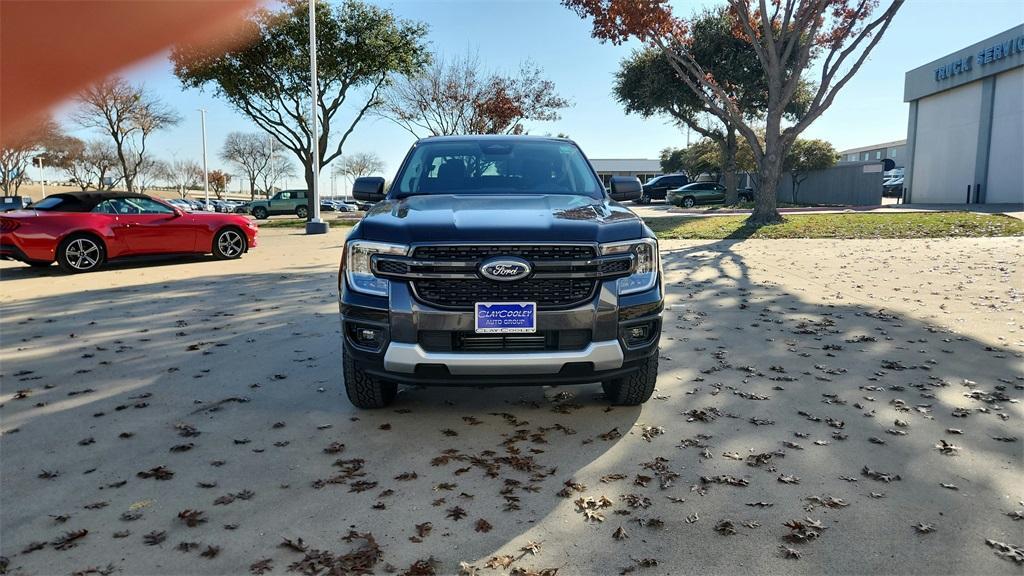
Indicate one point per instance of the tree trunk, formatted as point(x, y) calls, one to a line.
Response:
point(765, 201)
point(252, 188)
point(309, 189)
point(729, 165)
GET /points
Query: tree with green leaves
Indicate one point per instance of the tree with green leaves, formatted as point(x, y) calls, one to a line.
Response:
point(673, 160)
point(360, 48)
point(815, 44)
point(806, 156)
point(647, 84)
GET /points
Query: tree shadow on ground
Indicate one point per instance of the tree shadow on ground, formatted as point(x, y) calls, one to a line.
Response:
point(233, 384)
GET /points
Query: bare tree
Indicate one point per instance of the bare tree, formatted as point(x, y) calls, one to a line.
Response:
point(182, 175)
point(458, 97)
point(18, 153)
point(249, 151)
point(93, 165)
point(278, 169)
point(148, 172)
point(360, 164)
point(129, 115)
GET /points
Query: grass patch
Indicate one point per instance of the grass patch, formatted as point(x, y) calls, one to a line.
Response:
point(750, 206)
point(299, 223)
point(886, 225)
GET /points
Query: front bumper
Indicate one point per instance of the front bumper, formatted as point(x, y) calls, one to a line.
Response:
point(400, 357)
point(405, 357)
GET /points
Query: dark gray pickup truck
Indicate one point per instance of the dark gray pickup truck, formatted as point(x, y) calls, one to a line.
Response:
point(499, 261)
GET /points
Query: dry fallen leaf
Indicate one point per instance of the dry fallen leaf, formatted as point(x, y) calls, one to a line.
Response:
point(923, 528)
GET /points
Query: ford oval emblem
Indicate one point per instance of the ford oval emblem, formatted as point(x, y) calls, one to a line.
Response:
point(505, 269)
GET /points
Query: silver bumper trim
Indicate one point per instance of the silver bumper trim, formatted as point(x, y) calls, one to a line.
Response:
point(403, 357)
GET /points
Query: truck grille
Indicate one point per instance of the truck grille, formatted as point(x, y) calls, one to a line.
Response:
point(529, 252)
point(548, 293)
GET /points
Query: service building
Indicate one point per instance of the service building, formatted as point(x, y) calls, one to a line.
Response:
point(965, 134)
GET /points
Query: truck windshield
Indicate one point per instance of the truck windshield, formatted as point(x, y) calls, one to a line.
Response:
point(496, 167)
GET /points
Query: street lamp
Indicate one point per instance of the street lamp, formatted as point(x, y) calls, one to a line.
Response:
point(206, 170)
point(315, 225)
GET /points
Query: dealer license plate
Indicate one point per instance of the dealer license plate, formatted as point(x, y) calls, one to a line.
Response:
point(506, 317)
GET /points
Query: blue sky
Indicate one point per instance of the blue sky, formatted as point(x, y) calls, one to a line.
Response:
point(504, 33)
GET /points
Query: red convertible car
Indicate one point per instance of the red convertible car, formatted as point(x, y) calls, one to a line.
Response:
point(82, 230)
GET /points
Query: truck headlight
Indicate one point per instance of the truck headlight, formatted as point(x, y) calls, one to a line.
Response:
point(357, 265)
point(648, 264)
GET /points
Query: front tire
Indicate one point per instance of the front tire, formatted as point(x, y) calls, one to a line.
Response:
point(229, 244)
point(81, 253)
point(689, 202)
point(635, 388)
point(302, 212)
point(260, 213)
point(365, 390)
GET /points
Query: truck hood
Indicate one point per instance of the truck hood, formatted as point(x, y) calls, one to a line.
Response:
point(512, 218)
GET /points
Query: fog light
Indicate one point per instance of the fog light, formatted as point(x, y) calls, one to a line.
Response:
point(368, 337)
point(638, 334)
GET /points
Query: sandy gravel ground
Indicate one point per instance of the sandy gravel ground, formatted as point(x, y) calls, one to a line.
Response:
point(189, 416)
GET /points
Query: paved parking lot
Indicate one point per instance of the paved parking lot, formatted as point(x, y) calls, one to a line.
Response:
point(187, 417)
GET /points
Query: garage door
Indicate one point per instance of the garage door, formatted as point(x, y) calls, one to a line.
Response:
point(1005, 169)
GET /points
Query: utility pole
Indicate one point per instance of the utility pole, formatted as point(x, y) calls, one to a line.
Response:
point(314, 225)
point(206, 170)
point(42, 185)
point(273, 173)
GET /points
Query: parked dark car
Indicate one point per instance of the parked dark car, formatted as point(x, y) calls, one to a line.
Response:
point(499, 261)
point(8, 203)
point(704, 193)
point(657, 188)
point(893, 187)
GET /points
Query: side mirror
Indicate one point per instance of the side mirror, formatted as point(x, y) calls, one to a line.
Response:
point(625, 188)
point(368, 188)
point(178, 213)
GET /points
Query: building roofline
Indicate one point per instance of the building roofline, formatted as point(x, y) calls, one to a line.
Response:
point(891, 144)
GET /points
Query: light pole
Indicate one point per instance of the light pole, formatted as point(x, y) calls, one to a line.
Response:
point(315, 225)
point(206, 170)
point(273, 173)
point(42, 185)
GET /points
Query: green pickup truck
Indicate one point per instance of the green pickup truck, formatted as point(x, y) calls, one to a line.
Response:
point(284, 202)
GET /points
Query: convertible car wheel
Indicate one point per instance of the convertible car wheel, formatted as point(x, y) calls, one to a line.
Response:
point(81, 253)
